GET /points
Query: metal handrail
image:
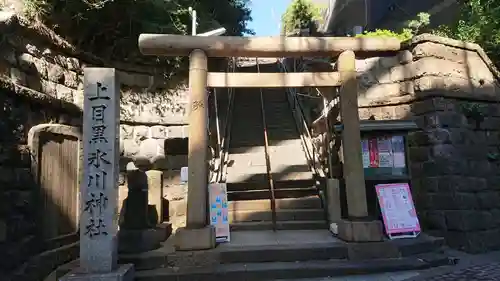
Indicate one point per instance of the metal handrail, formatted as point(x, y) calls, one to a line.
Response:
point(225, 134)
point(303, 127)
point(266, 152)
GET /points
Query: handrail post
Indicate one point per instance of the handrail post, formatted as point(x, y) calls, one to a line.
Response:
point(266, 152)
point(217, 125)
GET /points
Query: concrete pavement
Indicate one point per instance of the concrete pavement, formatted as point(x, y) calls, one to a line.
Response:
point(482, 267)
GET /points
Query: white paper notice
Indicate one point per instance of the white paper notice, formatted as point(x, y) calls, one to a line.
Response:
point(219, 213)
point(385, 152)
point(365, 152)
point(398, 148)
point(184, 174)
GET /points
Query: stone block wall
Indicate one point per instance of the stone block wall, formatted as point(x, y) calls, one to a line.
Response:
point(153, 117)
point(21, 109)
point(451, 90)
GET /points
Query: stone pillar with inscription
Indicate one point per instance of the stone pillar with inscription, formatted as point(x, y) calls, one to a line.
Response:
point(358, 228)
point(99, 185)
point(198, 234)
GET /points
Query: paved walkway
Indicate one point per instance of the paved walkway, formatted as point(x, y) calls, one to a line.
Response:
point(483, 272)
point(484, 267)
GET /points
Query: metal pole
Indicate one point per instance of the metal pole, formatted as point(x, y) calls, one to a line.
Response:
point(193, 21)
point(219, 144)
point(266, 154)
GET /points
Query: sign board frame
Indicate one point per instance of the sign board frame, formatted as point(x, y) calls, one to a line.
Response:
point(403, 199)
point(219, 211)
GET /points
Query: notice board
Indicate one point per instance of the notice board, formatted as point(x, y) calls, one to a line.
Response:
point(384, 156)
point(219, 212)
point(398, 211)
point(383, 152)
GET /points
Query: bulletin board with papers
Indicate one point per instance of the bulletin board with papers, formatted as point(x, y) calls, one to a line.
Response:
point(384, 156)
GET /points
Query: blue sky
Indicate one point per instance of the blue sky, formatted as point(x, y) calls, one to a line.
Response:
point(266, 16)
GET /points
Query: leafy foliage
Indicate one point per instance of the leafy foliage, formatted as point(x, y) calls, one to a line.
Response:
point(479, 22)
point(110, 28)
point(412, 28)
point(403, 35)
point(300, 14)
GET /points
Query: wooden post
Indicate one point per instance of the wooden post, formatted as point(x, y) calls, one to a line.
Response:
point(351, 138)
point(359, 228)
point(197, 234)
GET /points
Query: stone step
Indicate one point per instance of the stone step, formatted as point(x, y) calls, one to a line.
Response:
point(311, 202)
point(280, 225)
point(290, 270)
point(258, 174)
point(291, 144)
point(281, 215)
point(264, 184)
point(274, 139)
point(268, 246)
point(300, 251)
point(266, 194)
point(250, 129)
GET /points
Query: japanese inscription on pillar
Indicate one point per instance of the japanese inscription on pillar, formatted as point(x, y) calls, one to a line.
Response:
point(98, 225)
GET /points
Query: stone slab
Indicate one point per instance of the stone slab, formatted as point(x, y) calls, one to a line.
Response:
point(372, 250)
point(143, 240)
point(195, 239)
point(155, 193)
point(125, 272)
point(360, 231)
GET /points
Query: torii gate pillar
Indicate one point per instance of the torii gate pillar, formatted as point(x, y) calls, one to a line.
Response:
point(198, 234)
point(358, 228)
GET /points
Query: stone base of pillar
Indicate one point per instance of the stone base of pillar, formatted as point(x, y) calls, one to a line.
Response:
point(143, 240)
point(360, 231)
point(187, 239)
point(124, 272)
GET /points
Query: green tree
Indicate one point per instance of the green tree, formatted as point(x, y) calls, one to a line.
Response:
point(300, 14)
point(479, 22)
point(110, 28)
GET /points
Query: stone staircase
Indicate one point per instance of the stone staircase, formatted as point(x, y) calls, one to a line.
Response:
point(298, 205)
point(281, 255)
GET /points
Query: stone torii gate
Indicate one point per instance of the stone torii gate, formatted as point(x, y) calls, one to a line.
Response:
point(198, 234)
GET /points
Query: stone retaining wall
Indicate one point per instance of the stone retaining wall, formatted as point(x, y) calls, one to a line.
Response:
point(41, 81)
point(451, 90)
point(153, 117)
point(149, 110)
point(21, 109)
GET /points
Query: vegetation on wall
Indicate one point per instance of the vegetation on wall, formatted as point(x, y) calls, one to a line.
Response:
point(479, 22)
point(110, 28)
point(412, 28)
point(300, 14)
